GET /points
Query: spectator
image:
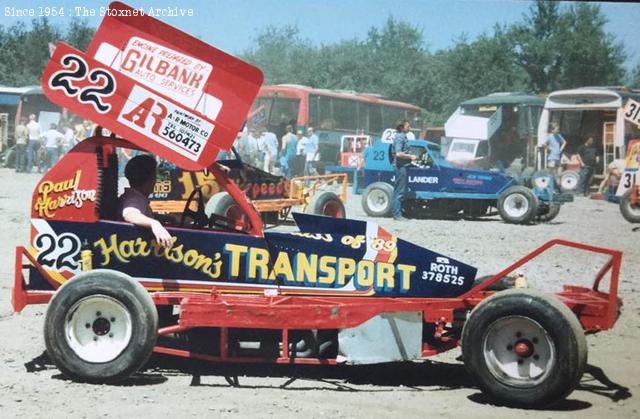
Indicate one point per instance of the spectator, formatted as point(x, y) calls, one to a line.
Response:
point(555, 145)
point(69, 138)
point(301, 146)
point(88, 128)
point(313, 154)
point(80, 132)
point(289, 147)
point(589, 155)
point(34, 134)
point(268, 147)
point(52, 140)
point(287, 139)
point(311, 151)
point(22, 138)
point(401, 160)
point(134, 204)
point(247, 147)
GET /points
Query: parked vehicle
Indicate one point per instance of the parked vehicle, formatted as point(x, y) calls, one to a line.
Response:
point(495, 131)
point(589, 112)
point(242, 294)
point(438, 187)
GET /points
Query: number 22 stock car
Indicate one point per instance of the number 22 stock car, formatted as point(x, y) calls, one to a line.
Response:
point(337, 291)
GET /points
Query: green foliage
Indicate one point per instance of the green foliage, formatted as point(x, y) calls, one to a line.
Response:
point(25, 52)
point(551, 48)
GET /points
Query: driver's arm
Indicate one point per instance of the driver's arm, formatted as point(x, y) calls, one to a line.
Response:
point(134, 216)
point(404, 155)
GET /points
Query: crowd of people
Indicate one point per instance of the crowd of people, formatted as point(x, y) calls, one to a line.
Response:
point(294, 155)
point(39, 147)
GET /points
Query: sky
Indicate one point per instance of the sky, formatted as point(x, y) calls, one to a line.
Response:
point(232, 25)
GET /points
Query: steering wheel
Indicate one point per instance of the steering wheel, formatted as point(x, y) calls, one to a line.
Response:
point(199, 217)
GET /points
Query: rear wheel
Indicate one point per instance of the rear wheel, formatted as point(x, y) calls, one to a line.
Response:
point(518, 205)
point(326, 203)
point(541, 179)
point(524, 348)
point(629, 211)
point(100, 327)
point(223, 205)
point(549, 213)
point(377, 199)
point(569, 181)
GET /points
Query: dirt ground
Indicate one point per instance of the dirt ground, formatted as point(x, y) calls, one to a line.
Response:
point(31, 387)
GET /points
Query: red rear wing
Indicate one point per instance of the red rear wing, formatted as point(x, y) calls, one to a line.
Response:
point(161, 89)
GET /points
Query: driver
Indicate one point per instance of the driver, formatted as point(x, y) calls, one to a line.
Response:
point(134, 202)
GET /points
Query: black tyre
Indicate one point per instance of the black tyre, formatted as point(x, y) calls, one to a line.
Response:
point(547, 214)
point(629, 211)
point(524, 348)
point(326, 203)
point(100, 327)
point(377, 199)
point(222, 204)
point(518, 205)
point(569, 181)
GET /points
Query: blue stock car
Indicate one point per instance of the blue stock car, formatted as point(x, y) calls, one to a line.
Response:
point(438, 188)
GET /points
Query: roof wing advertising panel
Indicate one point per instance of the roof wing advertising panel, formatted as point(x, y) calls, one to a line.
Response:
point(161, 89)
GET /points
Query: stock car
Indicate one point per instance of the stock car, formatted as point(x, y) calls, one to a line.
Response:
point(436, 186)
point(337, 291)
point(273, 196)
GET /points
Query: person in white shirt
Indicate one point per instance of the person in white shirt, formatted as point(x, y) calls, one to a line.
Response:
point(69, 138)
point(267, 149)
point(311, 150)
point(33, 129)
point(52, 140)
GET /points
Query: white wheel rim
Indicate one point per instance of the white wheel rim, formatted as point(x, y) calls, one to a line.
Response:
point(377, 200)
point(569, 181)
point(516, 205)
point(518, 351)
point(541, 182)
point(98, 328)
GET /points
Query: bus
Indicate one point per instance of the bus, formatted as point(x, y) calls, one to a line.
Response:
point(33, 101)
point(332, 114)
point(585, 112)
point(9, 101)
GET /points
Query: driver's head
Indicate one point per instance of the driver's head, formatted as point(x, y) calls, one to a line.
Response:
point(141, 172)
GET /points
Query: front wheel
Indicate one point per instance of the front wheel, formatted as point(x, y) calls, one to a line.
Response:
point(524, 348)
point(100, 327)
point(377, 199)
point(518, 205)
point(629, 211)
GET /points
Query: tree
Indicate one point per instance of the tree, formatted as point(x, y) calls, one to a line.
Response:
point(25, 52)
point(567, 48)
point(589, 55)
point(537, 47)
point(469, 70)
point(79, 34)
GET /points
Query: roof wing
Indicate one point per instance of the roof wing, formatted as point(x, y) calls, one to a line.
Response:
point(160, 88)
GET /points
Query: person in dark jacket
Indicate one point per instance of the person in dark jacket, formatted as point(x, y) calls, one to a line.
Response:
point(589, 154)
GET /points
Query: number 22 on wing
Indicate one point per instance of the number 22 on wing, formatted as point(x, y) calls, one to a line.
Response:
point(76, 68)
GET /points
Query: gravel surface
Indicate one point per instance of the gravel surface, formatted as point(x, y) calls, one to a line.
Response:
point(31, 387)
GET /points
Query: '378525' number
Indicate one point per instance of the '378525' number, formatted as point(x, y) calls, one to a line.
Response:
point(103, 83)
